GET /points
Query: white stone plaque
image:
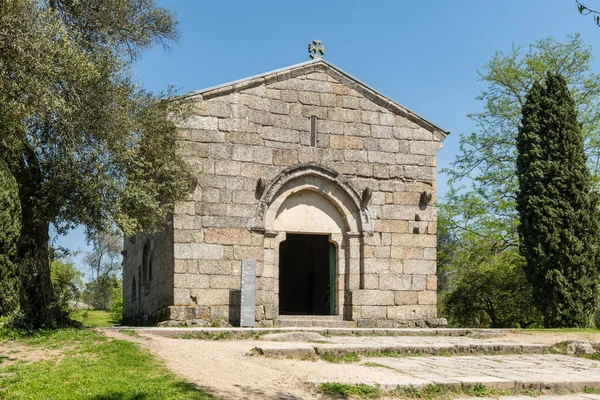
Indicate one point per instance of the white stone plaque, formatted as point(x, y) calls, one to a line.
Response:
point(248, 295)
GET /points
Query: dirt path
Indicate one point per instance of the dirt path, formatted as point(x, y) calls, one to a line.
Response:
point(226, 368)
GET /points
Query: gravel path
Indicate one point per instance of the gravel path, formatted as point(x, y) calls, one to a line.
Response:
point(227, 369)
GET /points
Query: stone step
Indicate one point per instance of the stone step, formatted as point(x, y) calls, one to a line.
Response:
point(510, 374)
point(335, 331)
point(334, 349)
point(311, 317)
point(306, 321)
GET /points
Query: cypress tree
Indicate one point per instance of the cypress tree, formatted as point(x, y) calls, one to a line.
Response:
point(558, 207)
point(10, 227)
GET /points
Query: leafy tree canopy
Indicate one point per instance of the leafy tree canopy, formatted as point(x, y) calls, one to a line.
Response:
point(85, 143)
point(482, 178)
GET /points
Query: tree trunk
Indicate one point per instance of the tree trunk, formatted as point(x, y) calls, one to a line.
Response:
point(38, 305)
point(36, 297)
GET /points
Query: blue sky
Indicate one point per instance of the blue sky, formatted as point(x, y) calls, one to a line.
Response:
point(424, 55)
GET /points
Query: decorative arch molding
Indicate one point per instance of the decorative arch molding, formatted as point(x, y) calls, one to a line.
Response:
point(313, 177)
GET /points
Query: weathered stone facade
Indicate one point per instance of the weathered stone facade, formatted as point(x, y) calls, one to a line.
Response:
point(367, 181)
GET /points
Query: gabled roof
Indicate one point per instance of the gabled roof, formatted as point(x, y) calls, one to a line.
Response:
point(308, 67)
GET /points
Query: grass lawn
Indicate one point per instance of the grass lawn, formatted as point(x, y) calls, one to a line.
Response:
point(90, 366)
point(93, 318)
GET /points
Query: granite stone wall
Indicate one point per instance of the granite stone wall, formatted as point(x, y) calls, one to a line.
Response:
point(260, 128)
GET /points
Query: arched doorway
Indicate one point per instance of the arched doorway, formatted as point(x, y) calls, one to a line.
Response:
point(307, 278)
point(313, 222)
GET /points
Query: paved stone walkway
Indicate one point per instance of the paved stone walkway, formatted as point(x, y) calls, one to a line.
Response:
point(507, 372)
point(340, 345)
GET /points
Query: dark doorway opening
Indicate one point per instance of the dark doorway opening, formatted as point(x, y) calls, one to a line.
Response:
point(306, 275)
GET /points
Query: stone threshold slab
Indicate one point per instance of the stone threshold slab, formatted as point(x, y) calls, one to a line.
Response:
point(175, 331)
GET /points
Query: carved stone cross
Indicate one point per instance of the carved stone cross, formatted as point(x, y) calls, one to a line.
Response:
point(315, 50)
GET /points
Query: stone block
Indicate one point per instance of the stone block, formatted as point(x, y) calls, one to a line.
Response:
point(419, 267)
point(191, 281)
point(355, 155)
point(285, 135)
point(185, 266)
point(210, 297)
point(214, 267)
point(406, 298)
point(395, 282)
point(410, 159)
point(291, 96)
point(200, 122)
point(390, 145)
point(181, 296)
point(381, 157)
point(411, 312)
point(418, 282)
point(371, 281)
point(188, 236)
point(430, 254)
point(398, 212)
point(420, 173)
point(220, 151)
point(371, 298)
point(369, 117)
point(432, 282)
point(285, 157)
point(309, 111)
point(224, 282)
point(373, 312)
point(395, 226)
point(309, 98)
point(280, 107)
point(422, 134)
point(396, 266)
point(215, 209)
point(227, 167)
point(198, 251)
point(227, 236)
point(351, 129)
point(381, 171)
point(380, 131)
point(244, 138)
point(244, 197)
point(376, 265)
point(187, 222)
point(345, 142)
point(185, 207)
point(187, 148)
point(248, 253)
point(233, 125)
point(387, 119)
point(333, 127)
point(203, 136)
point(381, 252)
point(410, 240)
point(263, 155)
point(427, 297)
point(242, 153)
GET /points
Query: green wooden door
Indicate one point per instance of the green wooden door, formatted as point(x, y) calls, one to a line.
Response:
point(332, 280)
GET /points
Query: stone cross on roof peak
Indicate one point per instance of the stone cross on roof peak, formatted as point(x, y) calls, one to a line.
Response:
point(316, 50)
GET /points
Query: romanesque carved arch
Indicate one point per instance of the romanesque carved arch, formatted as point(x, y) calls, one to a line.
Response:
point(327, 182)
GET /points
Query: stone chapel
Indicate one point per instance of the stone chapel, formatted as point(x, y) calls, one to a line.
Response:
point(323, 182)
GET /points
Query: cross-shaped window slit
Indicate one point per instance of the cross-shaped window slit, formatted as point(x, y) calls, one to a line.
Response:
point(313, 131)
